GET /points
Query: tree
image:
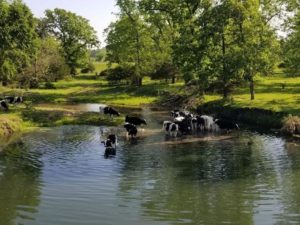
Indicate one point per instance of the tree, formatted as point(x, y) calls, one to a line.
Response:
point(133, 42)
point(17, 38)
point(291, 48)
point(74, 33)
point(46, 65)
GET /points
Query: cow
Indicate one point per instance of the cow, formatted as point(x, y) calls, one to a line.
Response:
point(18, 99)
point(109, 151)
point(3, 105)
point(135, 120)
point(183, 126)
point(110, 145)
point(177, 113)
point(226, 124)
point(179, 119)
point(171, 128)
point(200, 123)
point(109, 111)
point(208, 122)
point(131, 130)
point(111, 141)
point(13, 100)
point(9, 99)
point(193, 123)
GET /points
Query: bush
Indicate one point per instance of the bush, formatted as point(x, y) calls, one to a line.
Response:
point(89, 69)
point(49, 85)
point(291, 125)
point(118, 74)
point(165, 71)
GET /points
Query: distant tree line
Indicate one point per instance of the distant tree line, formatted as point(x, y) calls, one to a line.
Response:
point(45, 49)
point(218, 43)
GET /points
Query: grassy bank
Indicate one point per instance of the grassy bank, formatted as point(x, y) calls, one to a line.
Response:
point(277, 94)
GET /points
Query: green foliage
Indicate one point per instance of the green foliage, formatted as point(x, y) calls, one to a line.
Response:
point(116, 75)
point(165, 71)
point(291, 48)
point(89, 68)
point(47, 64)
point(49, 85)
point(74, 33)
point(17, 38)
point(131, 41)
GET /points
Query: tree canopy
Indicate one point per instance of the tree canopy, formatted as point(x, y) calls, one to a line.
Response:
point(75, 34)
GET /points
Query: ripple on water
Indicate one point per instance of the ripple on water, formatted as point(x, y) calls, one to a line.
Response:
point(63, 178)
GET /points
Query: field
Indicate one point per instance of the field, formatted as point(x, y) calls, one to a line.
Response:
point(45, 107)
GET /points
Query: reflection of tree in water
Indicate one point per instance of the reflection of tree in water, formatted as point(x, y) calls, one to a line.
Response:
point(192, 183)
point(19, 183)
point(209, 183)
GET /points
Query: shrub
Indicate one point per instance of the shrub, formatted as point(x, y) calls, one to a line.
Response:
point(118, 74)
point(49, 85)
point(165, 71)
point(291, 125)
point(89, 68)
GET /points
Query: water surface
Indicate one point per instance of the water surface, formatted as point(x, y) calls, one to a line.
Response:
point(60, 176)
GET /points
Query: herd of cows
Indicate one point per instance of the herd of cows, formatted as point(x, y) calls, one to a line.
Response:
point(182, 123)
point(4, 102)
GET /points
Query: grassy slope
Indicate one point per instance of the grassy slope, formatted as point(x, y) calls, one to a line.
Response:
point(270, 95)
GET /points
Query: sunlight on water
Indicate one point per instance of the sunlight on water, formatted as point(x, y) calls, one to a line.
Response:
point(60, 176)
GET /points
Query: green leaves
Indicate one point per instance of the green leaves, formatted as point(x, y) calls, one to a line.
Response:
point(17, 38)
point(74, 33)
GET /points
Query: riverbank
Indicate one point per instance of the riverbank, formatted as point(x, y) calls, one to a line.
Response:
point(50, 107)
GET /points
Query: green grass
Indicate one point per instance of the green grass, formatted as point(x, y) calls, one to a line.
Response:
point(269, 95)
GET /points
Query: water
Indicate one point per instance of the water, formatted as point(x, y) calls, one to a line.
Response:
point(60, 176)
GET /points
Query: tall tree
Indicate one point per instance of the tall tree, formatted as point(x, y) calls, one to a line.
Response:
point(17, 38)
point(131, 42)
point(291, 47)
point(75, 34)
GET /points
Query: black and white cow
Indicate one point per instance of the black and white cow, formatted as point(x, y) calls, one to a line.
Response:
point(131, 130)
point(226, 124)
point(109, 111)
point(200, 123)
point(3, 105)
point(184, 126)
point(171, 128)
point(111, 141)
point(110, 145)
point(13, 100)
point(209, 124)
point(135, 120)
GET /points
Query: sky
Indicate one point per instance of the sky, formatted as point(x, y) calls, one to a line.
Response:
point(98, 12)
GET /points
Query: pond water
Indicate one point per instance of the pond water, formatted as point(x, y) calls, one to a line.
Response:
point(60, 176)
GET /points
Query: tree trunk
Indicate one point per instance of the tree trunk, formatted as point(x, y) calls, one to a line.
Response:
point(173, 80)
point(225, 92)
point(252, 92)
point(73, 71)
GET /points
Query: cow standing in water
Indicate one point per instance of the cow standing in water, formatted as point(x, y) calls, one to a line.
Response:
point(171, 128)
point(131, 130)
point(135, 120)
point(110, 145)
